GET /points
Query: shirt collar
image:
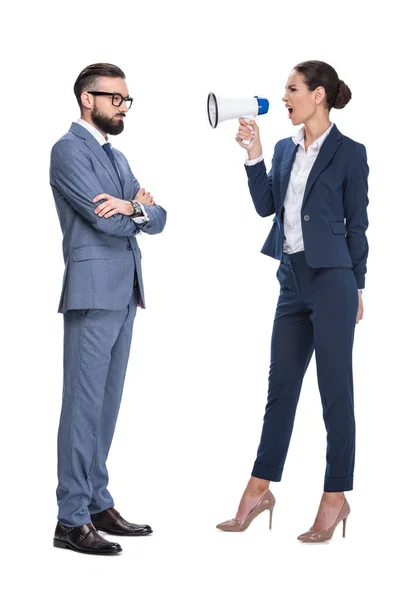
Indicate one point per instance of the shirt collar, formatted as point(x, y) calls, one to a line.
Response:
point(95, 132)
point(298, 138)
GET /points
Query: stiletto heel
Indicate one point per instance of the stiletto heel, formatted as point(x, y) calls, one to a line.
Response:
point(326, 534)
point(266, 502)
point(271, 510)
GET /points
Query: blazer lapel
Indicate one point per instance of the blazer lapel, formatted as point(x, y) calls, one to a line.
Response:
point(289, 155)
point(124, 177)
point(325, 155)
point(96, 148)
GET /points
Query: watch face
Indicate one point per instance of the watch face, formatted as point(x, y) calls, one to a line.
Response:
point(136, 208)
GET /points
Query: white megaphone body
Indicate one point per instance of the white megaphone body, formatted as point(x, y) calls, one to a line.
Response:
point(222, 109)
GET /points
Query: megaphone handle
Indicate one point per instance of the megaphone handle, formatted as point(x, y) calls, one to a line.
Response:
point(248, 118)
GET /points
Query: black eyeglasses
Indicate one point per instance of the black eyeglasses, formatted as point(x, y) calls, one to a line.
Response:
point(117, 99)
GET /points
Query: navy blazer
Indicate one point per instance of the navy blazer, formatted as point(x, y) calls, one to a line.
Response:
point(334, 209)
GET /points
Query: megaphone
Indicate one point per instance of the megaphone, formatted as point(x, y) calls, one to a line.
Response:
point(221, 109)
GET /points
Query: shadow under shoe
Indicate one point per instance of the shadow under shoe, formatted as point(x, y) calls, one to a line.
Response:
point(267, 502)
point(326, 534)
point(84, 539)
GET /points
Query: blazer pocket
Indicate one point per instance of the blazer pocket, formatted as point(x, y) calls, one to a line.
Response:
point(338, 227)
point(91, 253)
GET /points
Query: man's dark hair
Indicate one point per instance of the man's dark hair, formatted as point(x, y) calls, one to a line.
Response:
point(88, 78)
point(316, 73)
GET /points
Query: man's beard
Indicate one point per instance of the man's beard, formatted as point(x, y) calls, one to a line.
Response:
point(106, 124)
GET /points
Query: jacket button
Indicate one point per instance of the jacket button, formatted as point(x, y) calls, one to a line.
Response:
point(306, 217)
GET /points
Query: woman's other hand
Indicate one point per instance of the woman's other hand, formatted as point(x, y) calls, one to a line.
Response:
point(360, 312)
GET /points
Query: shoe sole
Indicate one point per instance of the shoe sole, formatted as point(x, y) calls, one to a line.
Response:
point(144, 534)
point(59, 544)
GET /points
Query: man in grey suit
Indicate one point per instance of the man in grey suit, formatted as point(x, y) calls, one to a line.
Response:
point(102, 209)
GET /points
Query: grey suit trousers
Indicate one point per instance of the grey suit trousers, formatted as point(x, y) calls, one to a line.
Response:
point(96, 351)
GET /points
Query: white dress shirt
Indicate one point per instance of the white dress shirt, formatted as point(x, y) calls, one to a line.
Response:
point(303, 163)
point(104, 140)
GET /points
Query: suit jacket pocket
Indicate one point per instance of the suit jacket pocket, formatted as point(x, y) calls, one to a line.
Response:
point(101, 252)
point(338, 227)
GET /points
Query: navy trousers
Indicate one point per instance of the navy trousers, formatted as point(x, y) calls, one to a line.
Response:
point(316, 310)
point(96, 351)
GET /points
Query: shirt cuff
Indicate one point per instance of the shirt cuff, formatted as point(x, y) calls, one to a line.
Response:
point(141, 220)
point(253, 161)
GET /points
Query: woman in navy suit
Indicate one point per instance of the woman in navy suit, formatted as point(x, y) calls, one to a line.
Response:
point(317, 188)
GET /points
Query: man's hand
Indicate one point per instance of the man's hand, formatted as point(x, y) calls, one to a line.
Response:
point(112, 206)
point(144, 197)
point(360, 312)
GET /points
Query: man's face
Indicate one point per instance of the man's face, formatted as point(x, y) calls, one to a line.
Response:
point(106, 116)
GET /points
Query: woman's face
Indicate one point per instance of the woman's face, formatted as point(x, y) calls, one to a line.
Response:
point(300, 102)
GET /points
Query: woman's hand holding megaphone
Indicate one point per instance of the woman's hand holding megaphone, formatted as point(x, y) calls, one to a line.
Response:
point(249, 131)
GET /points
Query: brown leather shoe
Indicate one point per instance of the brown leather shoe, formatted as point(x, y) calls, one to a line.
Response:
point(111, 521)
point(83, 539)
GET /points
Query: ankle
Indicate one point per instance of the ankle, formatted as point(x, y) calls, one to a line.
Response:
point(257, 486)
point(333, 497)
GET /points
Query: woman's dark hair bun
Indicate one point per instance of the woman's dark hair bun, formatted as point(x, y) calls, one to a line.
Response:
point(316, 73)
point(343, 95)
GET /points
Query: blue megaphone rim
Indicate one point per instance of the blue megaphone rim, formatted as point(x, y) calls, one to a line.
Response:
point(263, 105)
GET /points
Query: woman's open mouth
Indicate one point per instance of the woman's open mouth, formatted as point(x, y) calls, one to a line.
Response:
point(290, 112)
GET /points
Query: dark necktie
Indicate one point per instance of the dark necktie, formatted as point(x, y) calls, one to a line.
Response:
point(110, 153)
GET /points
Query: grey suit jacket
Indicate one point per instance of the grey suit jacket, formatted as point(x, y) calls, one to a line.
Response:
point(100, 254)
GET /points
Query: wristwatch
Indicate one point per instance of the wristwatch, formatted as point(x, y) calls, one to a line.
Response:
point(137, 209)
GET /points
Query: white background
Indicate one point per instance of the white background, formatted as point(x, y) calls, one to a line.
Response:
point(196, 386)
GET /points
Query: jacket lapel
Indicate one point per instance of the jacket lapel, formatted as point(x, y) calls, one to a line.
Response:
point(289, 155)
point(325, 155)
point(124, 176)
point(96, 148)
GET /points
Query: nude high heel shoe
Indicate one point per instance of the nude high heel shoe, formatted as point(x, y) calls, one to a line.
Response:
point(326, 534)
point(266, 502)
